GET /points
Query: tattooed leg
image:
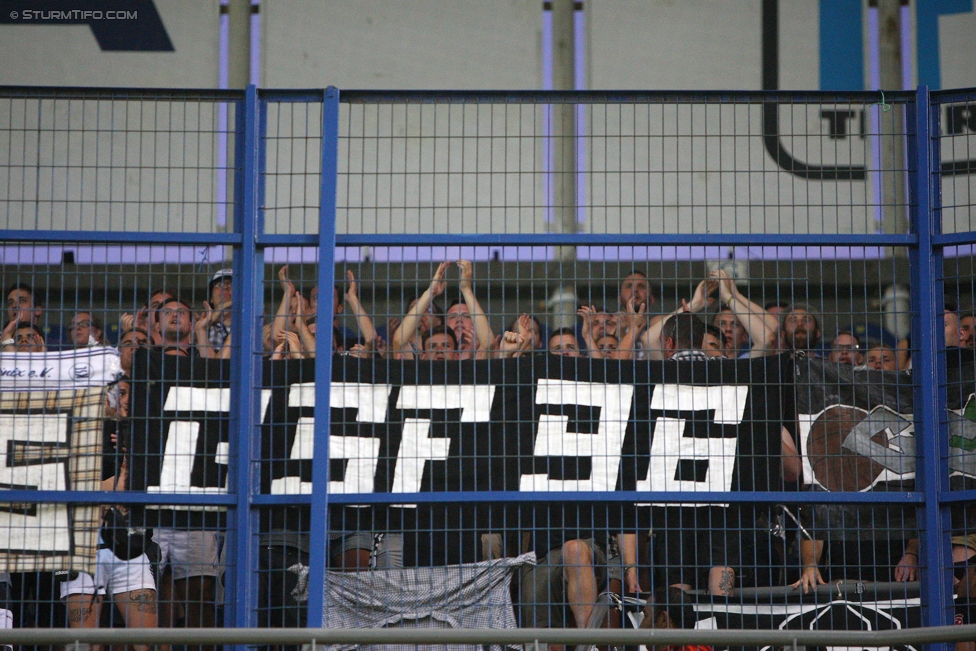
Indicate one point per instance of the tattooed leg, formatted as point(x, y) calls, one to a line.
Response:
point(138, 610)
point(83, 611)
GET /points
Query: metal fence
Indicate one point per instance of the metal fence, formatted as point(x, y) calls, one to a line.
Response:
point(295, 477)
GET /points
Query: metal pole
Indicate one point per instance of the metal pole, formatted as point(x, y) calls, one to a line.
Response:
point(319, 533)
point(245, 366)
point(894, 213)
point(238, 64)
point(562, 303)
point(512, 636)
point(239, 43)
point(929, 365)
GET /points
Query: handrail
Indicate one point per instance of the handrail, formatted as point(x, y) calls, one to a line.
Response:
point(481, 636)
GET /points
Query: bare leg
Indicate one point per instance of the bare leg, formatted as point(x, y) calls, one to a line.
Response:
point(169, 611)
point(83, 611)
point(138, 610)
point(199, 611)
point(581, 591)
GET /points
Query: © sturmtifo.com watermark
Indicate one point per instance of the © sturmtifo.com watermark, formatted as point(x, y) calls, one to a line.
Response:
point(73, 14)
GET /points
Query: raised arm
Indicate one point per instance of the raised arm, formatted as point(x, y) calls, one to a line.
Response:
point(482, 329)
point(411, 320)
point(366, 329)
point(587, 312)
point(280, 322)
point(201, 331)
point(512, 344)
point(633, 323)
point(760, 324)
point(305, 334)
point(8, 335)
point(700, 300)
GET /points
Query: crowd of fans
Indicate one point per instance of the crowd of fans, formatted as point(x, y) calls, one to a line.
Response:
point(736, 327)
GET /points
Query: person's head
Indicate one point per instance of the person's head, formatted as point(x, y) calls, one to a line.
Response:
point(124, 398)
point(313, 305)
point(117, 399)
point(635, 285)
point(157, 298)
point(129, 341)
point(602, 323)
point(337, 304)
point(967, 330)
point(607, 344)
point(440, 343)
point(434, 316)
point(776, 308)
point(29, 339)
point(22, 305)
point(713, 343)
point(801, 328)
point(86, 330)
point(846, 349)
point(458, 318)
point(726, 321)
point(220, 287)
point(882, 358)
point(951, 321)
point(175, 322)
point(563, 342)
point(670, 608)
point(683, 331)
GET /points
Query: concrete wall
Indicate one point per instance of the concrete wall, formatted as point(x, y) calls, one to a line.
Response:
point(476, 167)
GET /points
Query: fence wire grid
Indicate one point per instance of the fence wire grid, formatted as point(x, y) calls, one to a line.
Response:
point(589, 360)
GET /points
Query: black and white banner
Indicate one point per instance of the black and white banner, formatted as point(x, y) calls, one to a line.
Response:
point(871, 607)
point(856, 427)
point(857, 434)
point(547, 424)
point(961, 400)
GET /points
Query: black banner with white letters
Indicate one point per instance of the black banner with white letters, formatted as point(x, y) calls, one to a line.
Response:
point(856, 434)
point(544, 424)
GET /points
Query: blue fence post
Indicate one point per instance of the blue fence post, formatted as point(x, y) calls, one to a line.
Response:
point(928, 365)
point(245, 365)
point(318, 557)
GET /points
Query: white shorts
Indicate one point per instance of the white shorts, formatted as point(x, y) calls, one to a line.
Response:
point(112, 576)
point(188, 553)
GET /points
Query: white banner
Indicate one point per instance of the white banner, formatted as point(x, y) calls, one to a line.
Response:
point(73, 369)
